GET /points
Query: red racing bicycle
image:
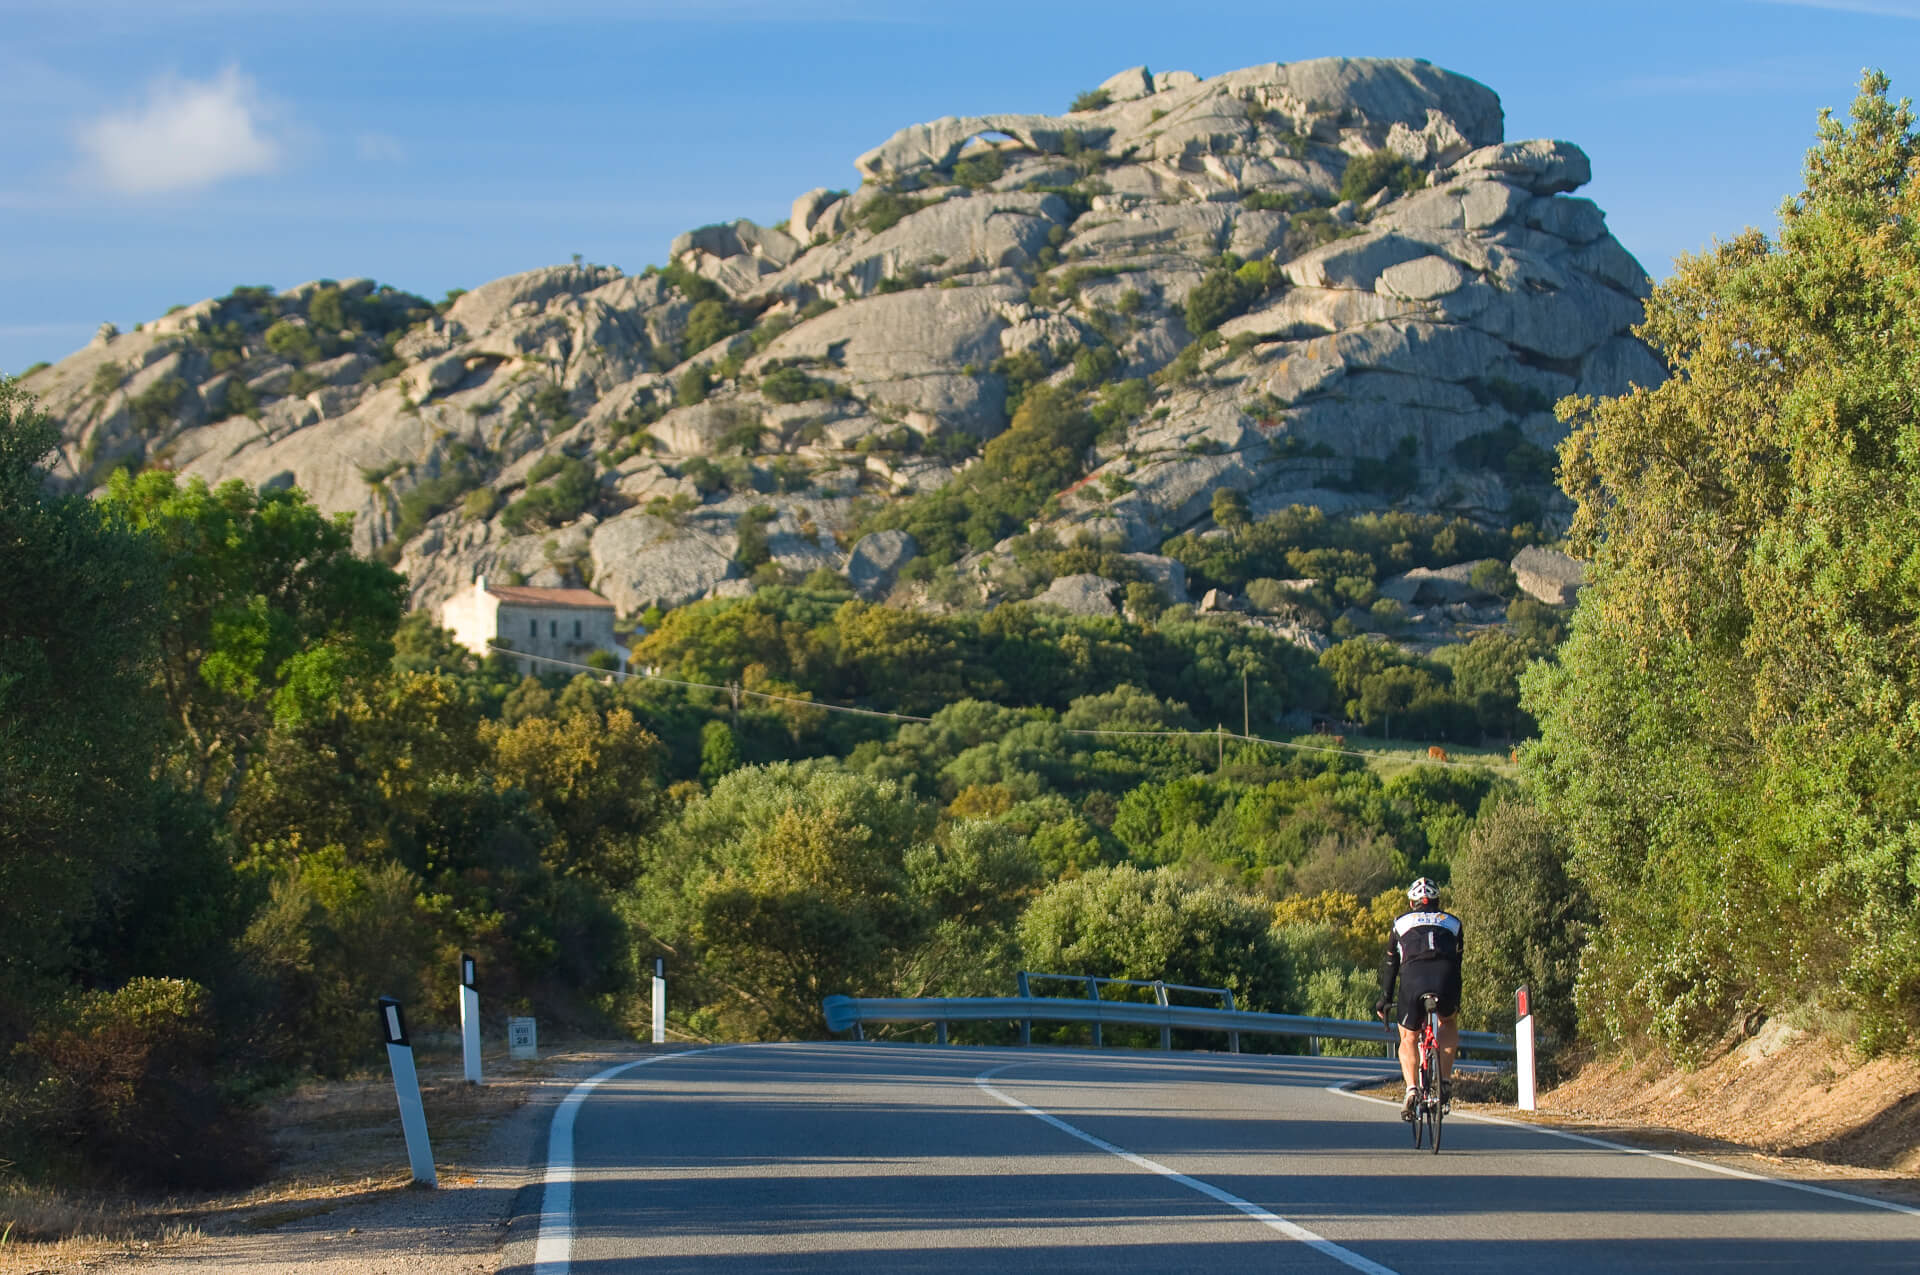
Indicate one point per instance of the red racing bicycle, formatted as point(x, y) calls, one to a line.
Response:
point(1428, 1109)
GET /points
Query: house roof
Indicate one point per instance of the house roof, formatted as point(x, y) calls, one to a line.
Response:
point(527, 595)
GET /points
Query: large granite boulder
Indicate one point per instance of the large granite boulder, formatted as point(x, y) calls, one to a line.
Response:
point(1081, 595)
point(875, 562)
point(1549, 575)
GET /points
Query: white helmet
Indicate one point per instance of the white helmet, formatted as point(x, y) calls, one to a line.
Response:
point(1422, 891)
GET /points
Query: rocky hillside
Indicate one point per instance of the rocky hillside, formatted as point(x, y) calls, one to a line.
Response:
point(1328, 283)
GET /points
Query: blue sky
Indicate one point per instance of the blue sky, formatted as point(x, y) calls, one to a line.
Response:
point(162, 152)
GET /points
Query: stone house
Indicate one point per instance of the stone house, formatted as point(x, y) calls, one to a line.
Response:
point(557, 624)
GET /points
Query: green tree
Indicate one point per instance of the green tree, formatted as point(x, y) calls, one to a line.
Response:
point(79, 730)
point(719, 751)
point(1737, 713)
point(1526, 919)
point(267, 612)
point(1120, 922)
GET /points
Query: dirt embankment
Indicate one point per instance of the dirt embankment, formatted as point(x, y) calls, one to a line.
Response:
point(1781, 1092)
point(340, 1201)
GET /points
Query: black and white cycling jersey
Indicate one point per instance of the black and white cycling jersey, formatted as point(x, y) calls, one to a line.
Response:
point(1423, 941)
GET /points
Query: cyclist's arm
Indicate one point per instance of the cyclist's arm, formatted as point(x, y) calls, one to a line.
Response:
point(1389, 969)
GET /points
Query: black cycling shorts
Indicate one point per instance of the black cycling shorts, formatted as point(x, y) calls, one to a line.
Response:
point(1419, 977)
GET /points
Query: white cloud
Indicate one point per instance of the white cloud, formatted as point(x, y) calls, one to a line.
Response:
point(187, 134)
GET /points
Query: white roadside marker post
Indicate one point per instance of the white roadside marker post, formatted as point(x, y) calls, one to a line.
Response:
point(406, 1087)
point(659, 1000)
point(1523, 1046)
point(469, 1020)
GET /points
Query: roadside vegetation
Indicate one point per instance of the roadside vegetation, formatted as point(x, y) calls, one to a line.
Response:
point(242, 794)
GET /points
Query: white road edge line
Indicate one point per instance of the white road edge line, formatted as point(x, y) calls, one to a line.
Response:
point(553, 1251)
point(1344, 1090)
point(1291, 1230)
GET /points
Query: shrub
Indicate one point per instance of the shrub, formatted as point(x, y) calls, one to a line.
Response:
point(552, 403)
point(1268, 201)
point(769, 329)
point(1394, 476)
point(107, 378)
point(886, 210)
point(1091, 100)
point(1495, 577)
point(691, 388)
point(553, 503)
point(791, 385)
point(709, 321)
point(294, 341)
point(239, 400)
point(1507, 452)
point(984, 169)
point(126, 1086)
point(1528, 916)
point(1121, 922)
point(1229, 506)
point(155, 406)
point(1369, 173)
point(1227, 289)
point(480, 503)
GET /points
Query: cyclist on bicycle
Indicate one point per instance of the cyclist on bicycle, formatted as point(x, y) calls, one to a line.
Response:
point(1423, 955)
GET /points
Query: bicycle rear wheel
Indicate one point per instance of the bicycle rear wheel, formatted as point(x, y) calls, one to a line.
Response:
point(1433, 1113)
point(1419, 1107)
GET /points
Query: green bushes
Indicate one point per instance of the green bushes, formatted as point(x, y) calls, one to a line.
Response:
point(154, 407)
point(1227, 289)
point(1041, 452)
point(709, 321)
point(294, 341)
point(1268, 201)
point(1394, 475)
point(569, 488)
point(122, 1086)
point(791, 385)
point(1376, 171)
point(1509, 453)
point(1528, 916)
point(978, 171)
point(1091, 100)
point(1121, 922)
point(886, 210)
point(752, 550)
point(1303, 540)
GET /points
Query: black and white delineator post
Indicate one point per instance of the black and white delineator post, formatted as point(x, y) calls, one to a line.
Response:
point(406, 1087)
point(469, 1020)
point(659, 1000)
point(1523, 1045)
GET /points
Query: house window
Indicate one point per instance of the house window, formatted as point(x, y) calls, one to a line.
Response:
point(533, 628)
point(553, 628)
point(576, 628)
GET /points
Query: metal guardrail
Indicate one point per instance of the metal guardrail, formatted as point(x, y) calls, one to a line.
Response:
point(846, 1013)
point(1093, 984)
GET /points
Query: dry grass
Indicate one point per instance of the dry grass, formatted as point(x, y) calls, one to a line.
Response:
point(335, 1143)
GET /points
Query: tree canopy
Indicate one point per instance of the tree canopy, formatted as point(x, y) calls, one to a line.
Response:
point(1730, 737)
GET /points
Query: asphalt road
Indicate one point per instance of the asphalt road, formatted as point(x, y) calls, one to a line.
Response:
point(839, 1157)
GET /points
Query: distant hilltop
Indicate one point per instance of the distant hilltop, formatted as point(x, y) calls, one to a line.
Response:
point(1328, 283)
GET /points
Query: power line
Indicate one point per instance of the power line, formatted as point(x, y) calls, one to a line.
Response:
point(909, 717)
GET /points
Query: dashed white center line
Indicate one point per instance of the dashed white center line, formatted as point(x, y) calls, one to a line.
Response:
point(1292, 1230)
